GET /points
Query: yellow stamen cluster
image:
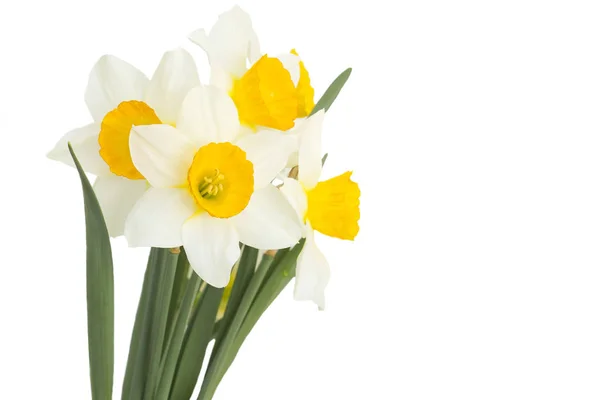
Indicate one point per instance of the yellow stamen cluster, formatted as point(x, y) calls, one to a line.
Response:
point(212, 185)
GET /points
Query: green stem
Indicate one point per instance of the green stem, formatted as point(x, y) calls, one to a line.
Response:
point(160, 315)
point(218, 365)
point(194, 347)
point(137, 361)
point(175, 341)
point(245, 271)
point(280, 277)
point(146, 346)
point(179, 285)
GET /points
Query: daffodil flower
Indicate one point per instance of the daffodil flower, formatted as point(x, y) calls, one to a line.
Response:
point(118, 97)
point(211, 188)
point(273, 92)
point(330, 207)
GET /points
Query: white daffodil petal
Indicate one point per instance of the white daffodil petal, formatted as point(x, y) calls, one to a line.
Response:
point(292, 160)
point(200, 38)
point(222, 79)
point(162, 154)
point(312, 273)
point(230, 42)
point(175, 76)
point(111, 82)
point(208, 115)
point(296, 196)
point(269, 151)
point(268, 222)
point(117, 196)
point(212, 247)
point(291, 62)
point(157, 218)
point(309, 152)
point(84, 141)
point(295, 132)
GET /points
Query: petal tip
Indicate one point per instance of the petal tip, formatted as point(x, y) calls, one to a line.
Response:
point(214, 281)
point(199, 37)
point(52, 154)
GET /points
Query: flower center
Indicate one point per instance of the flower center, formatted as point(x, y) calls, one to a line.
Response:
point(333, 207)
point(211, 186)
point(221, 179)
point(114, 136)
point(266, 96)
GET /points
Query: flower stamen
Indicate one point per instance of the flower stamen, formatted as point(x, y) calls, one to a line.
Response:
point(212, 185)
point(221, 179)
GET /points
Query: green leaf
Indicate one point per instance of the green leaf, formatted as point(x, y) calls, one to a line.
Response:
point(100, 292)
point(159, 318)
point(175, 342)
point(219, 362)
point(332, 92)
point(194, 347)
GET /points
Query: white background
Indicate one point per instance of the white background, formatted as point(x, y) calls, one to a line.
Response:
point(473, 129)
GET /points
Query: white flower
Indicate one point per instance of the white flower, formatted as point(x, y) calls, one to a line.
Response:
point(273, 92)
point(118, 97)
point(330, 207)
point(210, 188)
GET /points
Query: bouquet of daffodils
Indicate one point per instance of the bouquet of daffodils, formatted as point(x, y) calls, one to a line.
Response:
point(223, 183)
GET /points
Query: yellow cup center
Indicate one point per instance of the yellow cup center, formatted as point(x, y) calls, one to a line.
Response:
point(266, 96)
point(114, 136)
point(333, 207)
point(221, 179)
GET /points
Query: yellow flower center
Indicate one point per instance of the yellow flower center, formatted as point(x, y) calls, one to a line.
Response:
point(333, 207)
point(114, 136)
point(266, 96)
point(221, 179)
point(211, 185)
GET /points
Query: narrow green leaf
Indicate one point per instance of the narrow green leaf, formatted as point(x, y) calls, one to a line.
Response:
point(194, 347)
point(175, 342)
point(332, 92)
point(100, 292)
point(219, 363)
point(166, 273)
